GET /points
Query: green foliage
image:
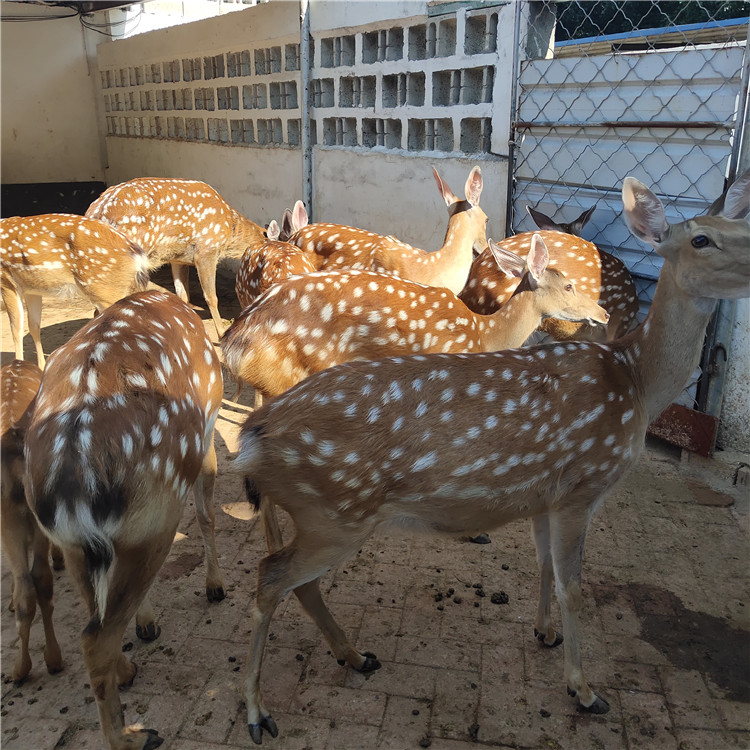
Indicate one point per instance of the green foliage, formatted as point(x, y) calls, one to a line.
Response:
point(578, 19)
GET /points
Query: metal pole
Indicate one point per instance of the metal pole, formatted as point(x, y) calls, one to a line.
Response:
point(305, 109)
point(513, 115)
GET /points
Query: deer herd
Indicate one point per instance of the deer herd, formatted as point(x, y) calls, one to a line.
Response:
point(392, 388)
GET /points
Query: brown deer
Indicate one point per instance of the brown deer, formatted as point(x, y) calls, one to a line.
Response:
point(312, 322)
point(346, 247)
point(267, 262)
point(454, 442)
point(600, 275)
point(122, 431)
point(22, 538)
point(58, 254)
point(181, 222)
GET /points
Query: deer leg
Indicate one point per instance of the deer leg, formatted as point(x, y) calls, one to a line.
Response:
point(310, 598)
point(206, 268)
point(130, 577)
point(274, 541)
point(290, 568)
point(58, 561)
point(543, 629)
point(41, 575)
point(24, 594)
point(76, 565)
point(204, 511)
point(34, 307)
point(181, 279)
point(146, 627)
point(14, 308)
point(568, 533)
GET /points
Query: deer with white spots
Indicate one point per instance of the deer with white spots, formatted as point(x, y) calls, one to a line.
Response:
point(601, 276)
point(268, 261)
point(345, 247)
point(22, 538)
point(181, 222)
point(53, 255)
point(456, 442)
point(121, 433)
point(312, 322)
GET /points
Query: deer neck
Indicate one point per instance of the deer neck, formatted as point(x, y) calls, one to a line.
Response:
point(244, 233)
point(452, 263)
point(511, 325)
point(665, 350)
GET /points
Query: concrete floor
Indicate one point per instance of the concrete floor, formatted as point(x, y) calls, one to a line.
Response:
point(665, 630)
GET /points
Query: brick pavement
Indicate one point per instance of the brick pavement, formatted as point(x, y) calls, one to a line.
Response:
point(664, 634)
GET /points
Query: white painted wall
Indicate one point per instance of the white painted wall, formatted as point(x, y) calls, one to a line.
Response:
point(260, 182)
point(395, 194)
point(50, 131)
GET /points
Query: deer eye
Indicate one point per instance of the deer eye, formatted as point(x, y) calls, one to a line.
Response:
point(700, 241)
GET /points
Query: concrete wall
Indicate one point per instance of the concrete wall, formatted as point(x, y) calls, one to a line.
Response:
point(50, 130)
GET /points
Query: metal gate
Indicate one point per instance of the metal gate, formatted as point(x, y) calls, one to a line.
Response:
point(610, 89)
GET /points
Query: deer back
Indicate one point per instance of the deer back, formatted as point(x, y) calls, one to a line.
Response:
point(454, 441)
point(598, 275)
point(19, 383)
point(309, 323)
point(51, 254)
point(124, 416)
point(175, 220)
point(267, 263)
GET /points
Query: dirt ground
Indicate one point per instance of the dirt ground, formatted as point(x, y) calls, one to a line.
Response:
point(665, 626)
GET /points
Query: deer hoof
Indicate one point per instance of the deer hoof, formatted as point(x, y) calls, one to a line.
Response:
point(153, 740)
point(215, 594)
point(148, 633)
point(541, 638)
point(483, 538)
point(256, 730)
point(371, 663)
point(599, 706)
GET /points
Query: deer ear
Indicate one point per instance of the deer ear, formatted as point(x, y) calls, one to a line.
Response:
point(537, 259)
point(286, 224)
point(541, 220)
point(508, 262)
point(473, 187)
point(299, 216)
point(578, 224)
point(735, 203)
point(445, 191)
point(273, 230)
point(643, 212)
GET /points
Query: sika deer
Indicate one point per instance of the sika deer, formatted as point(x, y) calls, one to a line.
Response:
point(312, 322)
point(21, 534)
point(455, 442)
point(267, 262)
point(345, 247)
point(57, 254)
point(122, 430)
point(181, 222)
point(600, 275)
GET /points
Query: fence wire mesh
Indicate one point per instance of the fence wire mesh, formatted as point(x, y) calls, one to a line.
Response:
point(657, 90)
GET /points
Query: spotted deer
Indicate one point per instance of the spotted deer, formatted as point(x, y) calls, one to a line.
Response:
point(122, 431)
point(455, 442)
point(23, 540)
point(600, 275)
point(346, 247)
point(181, 222)
point(53, 255)
point(267, 262)
point(312, 322)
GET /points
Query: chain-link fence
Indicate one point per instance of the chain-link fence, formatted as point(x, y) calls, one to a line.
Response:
point(656, 90)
